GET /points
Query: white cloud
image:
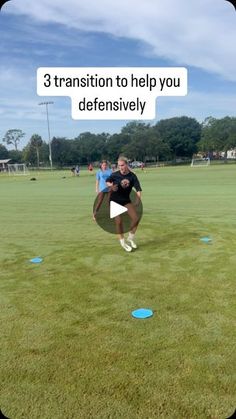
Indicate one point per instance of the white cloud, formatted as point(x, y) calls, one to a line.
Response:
point(198, 33)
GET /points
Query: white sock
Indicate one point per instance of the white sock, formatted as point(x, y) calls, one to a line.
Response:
point(122, 242)
point(131, 236)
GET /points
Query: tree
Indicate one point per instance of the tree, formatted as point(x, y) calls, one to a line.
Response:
point(115, 144)
point(92, 147)
point(29, 154)
point(30, 157)
point(138, 134)
point(36, 142)
point(181, 134)
point(16, 156)
point(208, 142)
point(136, 149)
point(156, 147)
point(60, 151)
point(134, 127)
point(13, 136)
point(3, 152)
point(44, 153)
point(218, 134)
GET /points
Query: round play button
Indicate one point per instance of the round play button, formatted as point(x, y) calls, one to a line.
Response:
point(107, 211)
point(116, 209)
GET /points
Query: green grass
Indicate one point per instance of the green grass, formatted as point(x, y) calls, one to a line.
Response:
point(69, 346)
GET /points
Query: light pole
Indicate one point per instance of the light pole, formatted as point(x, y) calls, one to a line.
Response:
point(49, 138)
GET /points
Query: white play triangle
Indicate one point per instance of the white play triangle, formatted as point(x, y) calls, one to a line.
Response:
point(116, 209)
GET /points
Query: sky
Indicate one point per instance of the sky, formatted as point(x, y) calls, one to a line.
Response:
point(196, 34)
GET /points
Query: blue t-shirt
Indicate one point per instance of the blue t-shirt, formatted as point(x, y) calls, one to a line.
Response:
point(102, 176)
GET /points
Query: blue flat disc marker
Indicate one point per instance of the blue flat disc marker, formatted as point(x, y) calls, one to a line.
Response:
point(36, 260)
point(142, 313)
point(206, 239)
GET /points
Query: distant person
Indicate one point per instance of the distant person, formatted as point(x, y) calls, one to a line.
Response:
point(90, 167)
point(121, 184)
point(72, 171)
point(142, 166)
point(101, 187)
point(77, 170)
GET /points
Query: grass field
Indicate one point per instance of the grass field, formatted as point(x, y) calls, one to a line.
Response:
point(69, 346)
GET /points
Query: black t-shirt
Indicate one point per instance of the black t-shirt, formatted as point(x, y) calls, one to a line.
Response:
point(125, 183)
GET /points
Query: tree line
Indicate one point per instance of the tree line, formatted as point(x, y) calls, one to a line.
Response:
point(169, 139)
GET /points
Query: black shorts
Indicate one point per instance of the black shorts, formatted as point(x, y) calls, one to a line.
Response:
point(121, 202)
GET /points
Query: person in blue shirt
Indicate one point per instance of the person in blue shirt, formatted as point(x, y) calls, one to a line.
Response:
point(101, 187)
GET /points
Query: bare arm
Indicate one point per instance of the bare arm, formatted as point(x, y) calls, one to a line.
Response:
point(109, 184)
point(112, 187)
point(138, 198)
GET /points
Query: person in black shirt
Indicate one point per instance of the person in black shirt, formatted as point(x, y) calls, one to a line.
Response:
point(121, 184)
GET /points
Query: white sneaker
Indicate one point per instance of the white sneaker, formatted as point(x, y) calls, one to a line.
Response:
point(132, 243)
point(126, 247)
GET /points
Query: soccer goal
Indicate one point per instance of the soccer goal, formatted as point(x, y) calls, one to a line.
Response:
point(196, 162)
point(17, 169)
